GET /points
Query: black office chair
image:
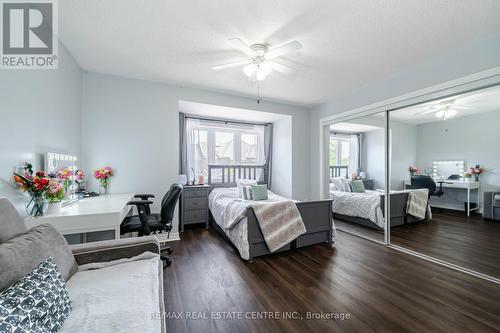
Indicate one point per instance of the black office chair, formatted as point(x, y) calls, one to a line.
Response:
point(423, 181)
point(146, 222)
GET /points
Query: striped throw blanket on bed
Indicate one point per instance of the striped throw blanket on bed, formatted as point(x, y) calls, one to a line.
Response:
point(280, 222)
point(417, 204)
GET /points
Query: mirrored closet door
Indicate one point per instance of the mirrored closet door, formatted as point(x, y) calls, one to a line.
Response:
point(446, 153)
point(356, 175)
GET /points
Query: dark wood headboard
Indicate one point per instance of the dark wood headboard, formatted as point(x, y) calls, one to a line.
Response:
point(339, 171)
point(225, 175)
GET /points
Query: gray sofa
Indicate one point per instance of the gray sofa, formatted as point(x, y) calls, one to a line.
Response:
point(91, 270)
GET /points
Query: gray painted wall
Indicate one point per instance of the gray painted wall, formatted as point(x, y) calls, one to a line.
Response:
point(40, 111)
point(474, 139)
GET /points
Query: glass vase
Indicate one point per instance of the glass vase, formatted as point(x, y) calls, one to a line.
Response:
point(36, 206)
point(103, 186)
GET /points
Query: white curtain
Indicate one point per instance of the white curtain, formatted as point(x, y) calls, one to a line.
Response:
point(354, 151)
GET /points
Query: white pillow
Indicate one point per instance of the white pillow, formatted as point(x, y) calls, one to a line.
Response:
point(347, 185)
point(245, 182)
point(340, 184)
point(245, 192)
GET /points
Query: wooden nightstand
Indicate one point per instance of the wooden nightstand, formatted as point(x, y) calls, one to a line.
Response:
point(194, 206)
point(368, 184)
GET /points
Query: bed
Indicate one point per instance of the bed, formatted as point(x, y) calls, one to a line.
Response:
point(368, 209)
point(246, 235)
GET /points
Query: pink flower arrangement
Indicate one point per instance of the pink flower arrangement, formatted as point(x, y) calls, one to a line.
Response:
point(413, 169)
point(55, 191)
point(477, 170)
point(64, 174)
point(80, 176)
point(103, 173)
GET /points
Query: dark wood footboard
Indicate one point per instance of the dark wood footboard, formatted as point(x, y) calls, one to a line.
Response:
point(317, 219)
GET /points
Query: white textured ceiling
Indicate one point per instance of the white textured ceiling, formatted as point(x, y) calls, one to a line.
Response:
point(346, 44)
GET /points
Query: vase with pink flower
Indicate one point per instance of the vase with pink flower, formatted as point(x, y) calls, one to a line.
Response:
point(35, 184)
point(103, 175)
point(65, 176)
point(413, 170)
point(476, 171)
point(54, 195)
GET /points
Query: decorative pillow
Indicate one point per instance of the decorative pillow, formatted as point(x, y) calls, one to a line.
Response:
point(340, 184)
point(39, 302)
point(22, 253)
point(245, 182)
point(358, 186)
point(347, 185)
point(245, 192)
point(259, 192)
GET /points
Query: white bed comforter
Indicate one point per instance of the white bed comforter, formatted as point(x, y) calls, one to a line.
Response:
point(365, 205)
point(234, 223)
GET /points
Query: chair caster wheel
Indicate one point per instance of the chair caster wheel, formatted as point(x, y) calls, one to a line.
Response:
point(167, 261)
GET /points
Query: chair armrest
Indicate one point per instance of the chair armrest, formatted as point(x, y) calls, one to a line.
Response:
point(114, 249)
point(140, 202)
point(144, 196)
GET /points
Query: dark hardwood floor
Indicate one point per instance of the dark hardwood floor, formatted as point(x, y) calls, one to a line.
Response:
point(383, 290)
point(471, 242)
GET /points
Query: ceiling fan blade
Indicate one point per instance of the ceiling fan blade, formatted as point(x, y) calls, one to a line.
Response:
point(242, 46)
point(230, 64)
point(282, 68)
point(283, 49)
point(427, 112)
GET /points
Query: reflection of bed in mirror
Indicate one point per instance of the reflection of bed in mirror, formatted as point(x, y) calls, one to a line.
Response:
point(368, 208)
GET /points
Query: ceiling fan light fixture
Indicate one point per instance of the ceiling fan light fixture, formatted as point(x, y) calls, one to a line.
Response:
point(446, 113)
point(257, 71)
point(250, 69)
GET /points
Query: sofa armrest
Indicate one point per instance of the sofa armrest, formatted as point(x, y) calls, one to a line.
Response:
point(114, 249)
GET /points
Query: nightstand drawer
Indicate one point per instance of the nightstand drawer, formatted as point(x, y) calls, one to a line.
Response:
point(195, 216)
point(194, 194)
point(195, 203)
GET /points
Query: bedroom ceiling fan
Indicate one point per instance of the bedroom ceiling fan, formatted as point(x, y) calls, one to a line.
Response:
point(261, 60)
point(443, 110)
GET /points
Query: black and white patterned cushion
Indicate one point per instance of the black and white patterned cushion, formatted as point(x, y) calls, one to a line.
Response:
point(39, 302)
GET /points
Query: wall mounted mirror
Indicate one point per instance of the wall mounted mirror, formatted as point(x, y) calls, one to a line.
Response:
point(452, 170)
point(461, 224)
point(62, 167)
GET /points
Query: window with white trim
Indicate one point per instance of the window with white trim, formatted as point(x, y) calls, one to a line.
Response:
point(215, 143)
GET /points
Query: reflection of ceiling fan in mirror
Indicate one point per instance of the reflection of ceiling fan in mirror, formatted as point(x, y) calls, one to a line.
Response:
point(444, 109)
point(261, 60)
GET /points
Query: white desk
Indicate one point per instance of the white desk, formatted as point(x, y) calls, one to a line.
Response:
point(89, 214)
point(458, 184)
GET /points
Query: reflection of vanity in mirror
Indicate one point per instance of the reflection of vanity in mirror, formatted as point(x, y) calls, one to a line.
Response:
point(450, 174)
point(448, 170)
